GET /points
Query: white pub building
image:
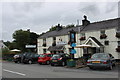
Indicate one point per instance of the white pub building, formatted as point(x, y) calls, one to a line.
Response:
point(103, 36)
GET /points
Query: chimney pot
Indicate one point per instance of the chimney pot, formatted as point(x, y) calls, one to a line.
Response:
point(85, 22)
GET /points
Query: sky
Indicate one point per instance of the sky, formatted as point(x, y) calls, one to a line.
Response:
point(41, 15)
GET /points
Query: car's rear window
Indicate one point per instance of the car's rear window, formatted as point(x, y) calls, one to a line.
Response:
point(56, 56)
point(101, 56)
point(41, 55)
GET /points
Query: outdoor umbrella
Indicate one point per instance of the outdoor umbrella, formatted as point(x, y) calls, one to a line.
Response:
point(15, 50)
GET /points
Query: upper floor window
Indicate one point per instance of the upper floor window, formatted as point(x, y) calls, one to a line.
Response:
point(118, 43)
point(82, 36)
point(118, 33)
point(54, 41)
point(54, 38)
point(44, 40)
point(102, 34)
point(102, 31)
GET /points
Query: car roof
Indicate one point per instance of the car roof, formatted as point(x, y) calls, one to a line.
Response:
point(46, 53)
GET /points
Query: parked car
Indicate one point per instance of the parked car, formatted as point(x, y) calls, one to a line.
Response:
point(29, 58)
point(17, 58)
point(26, 58)
point(45, 58)
point(59, 59)
point(99, 60)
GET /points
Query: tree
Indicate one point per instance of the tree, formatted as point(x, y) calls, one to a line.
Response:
point(53, 28)
point(11, 45)
point(22, 38)
point(69, 26)
point(33, 38)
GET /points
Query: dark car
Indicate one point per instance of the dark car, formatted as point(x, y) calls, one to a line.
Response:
point(29, 58)
point(26, 58)
point(101, 60)
point(59, 59)
point(45, 58)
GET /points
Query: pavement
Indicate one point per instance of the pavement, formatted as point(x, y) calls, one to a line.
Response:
point(13, 70)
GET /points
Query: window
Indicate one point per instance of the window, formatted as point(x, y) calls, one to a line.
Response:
point(118, 43)
point(102, 32)
point(49, 55)
point(44, 50)
point(54, 38)
point(106, 42)
point(44, 40)
point(83, 34)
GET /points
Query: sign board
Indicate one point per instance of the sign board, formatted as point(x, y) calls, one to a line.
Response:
point(73, 45)
point(30, 46)
point(73, 51)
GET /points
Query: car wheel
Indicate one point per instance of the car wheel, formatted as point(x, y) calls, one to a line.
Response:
point(91, 68)
point(110, 67)
point(47, 62)
point(63, 63)
point(15, 61)
point(114, 64)
point(30, 62)
point(40, 63)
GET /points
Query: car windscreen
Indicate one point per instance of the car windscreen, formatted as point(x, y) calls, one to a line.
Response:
point(56, 56)
point(41, 55)
point(100, 56)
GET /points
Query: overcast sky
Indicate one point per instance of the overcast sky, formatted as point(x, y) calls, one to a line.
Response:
point(40, 16)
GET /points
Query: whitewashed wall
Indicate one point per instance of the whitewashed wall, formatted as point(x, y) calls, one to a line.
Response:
point(111, 48)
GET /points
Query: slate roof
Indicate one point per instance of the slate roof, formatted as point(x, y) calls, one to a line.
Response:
point(112, 23)
point(96, 41)
point(56, 48)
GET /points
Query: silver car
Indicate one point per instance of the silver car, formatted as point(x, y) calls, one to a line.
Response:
point(99, 60)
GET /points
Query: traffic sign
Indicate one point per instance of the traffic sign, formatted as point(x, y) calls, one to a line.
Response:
point(73, 51)
point(73, 45)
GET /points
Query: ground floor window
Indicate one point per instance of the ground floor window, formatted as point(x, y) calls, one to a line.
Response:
point(44, 51)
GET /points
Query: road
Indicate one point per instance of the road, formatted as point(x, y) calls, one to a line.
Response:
point(13, 70)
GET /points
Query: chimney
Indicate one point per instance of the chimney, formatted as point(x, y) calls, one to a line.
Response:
point(85, 22)
point(58, 27)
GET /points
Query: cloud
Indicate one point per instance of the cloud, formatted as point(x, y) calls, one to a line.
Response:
point(40, 16)
point(91, 9)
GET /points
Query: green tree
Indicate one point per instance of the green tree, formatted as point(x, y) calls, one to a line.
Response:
point(70, 25)
point(22, 38)
point(33, 38)
point(53, 28)
point(11, 45)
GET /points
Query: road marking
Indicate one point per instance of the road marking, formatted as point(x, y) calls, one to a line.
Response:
point(14, 72)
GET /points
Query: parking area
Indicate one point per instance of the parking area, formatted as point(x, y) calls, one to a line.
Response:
point(13, 70)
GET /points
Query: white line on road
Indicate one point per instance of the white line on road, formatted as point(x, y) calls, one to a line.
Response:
point(14, 72)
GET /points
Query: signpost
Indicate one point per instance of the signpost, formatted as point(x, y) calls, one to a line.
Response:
point(72, 42)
